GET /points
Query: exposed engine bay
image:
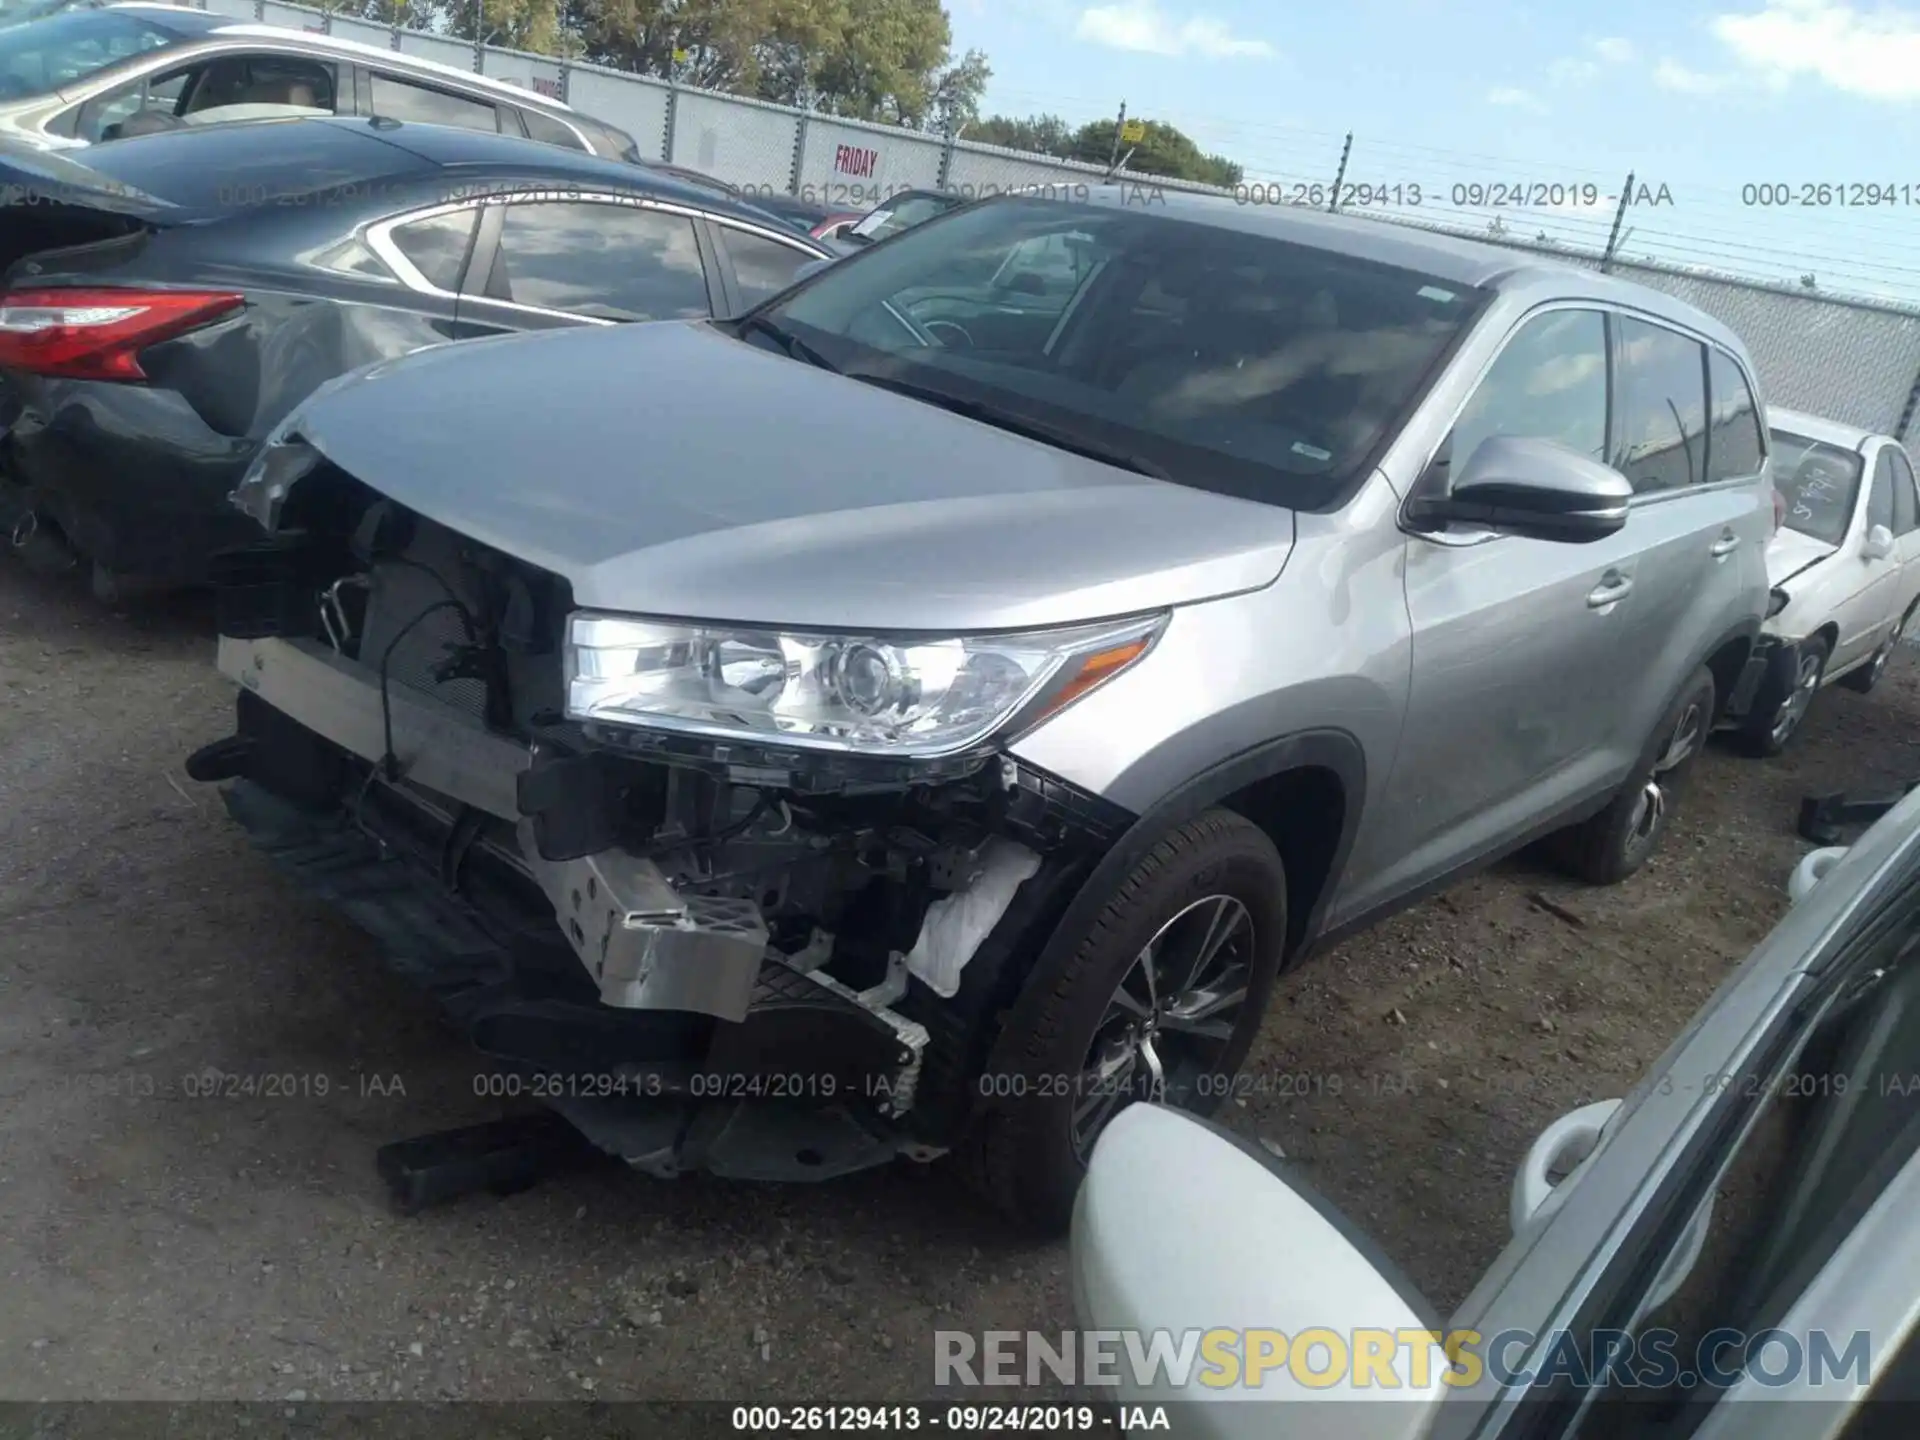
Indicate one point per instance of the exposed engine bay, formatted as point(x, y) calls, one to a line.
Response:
point(770, 964)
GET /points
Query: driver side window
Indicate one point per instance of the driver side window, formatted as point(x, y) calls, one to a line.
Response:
point(1549, 383)
point(1880, 498)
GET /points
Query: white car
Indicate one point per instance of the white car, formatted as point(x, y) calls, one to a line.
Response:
point(1844, 567)
point(1730, 1252)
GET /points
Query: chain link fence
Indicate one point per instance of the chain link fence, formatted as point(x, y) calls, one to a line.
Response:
point(1853, 360)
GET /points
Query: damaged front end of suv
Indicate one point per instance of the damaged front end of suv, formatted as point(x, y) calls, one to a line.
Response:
point(744, 900)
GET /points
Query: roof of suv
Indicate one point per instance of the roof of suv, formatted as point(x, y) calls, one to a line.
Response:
point(1412, 247)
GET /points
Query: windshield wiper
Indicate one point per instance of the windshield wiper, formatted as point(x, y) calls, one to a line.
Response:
point(787, 341)
point(1018, 424)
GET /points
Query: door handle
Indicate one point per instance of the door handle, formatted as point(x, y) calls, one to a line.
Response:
point(1725, 545)
point(1613, 586)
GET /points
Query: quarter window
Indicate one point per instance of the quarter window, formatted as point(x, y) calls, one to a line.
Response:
point(1880, 498)
point(616, 262)
point(1549, 383)
point(402, 100)
point(1663, 408)
point(438, 245)
point(1734, 447)
point(761, 267)
point(1906, 506)
point(549, 131)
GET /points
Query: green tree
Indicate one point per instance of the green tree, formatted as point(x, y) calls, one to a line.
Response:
point(1038, 134)
point(1163, 150)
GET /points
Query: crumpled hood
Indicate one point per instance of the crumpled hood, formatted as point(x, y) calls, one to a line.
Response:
point(669, 469)
point(1790, 552)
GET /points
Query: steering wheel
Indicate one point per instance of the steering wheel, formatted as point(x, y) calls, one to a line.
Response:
point(940, 329)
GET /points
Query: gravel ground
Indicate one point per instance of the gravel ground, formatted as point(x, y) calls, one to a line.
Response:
point(163, 1247)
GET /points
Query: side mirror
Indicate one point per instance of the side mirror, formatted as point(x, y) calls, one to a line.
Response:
point(1536, 488)
point(1027, 283)
point(1878, 545)
point(1152, 1256)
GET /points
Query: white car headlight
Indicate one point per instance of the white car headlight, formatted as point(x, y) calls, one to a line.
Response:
point(866, 694)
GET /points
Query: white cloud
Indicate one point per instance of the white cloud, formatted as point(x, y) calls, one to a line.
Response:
point(1142, 25)
point(1873, 54)
point(1517, 99)
point(1672, 75)
point(1578, 69)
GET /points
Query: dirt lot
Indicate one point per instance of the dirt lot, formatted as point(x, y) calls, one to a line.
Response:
point(167, 1247)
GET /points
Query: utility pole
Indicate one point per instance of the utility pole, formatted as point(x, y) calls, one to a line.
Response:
point(1340, 174)
point(1113, 158)
point(1619, 214)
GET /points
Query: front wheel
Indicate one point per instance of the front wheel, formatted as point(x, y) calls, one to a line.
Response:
point(1608, 847)
point(1160, 999)
point(1779, 709)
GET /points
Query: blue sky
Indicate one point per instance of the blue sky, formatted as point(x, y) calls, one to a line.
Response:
point(1704, 97)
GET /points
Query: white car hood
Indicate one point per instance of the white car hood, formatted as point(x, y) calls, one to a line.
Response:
point(1790, 552)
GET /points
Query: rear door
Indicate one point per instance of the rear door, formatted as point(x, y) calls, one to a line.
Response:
point(1906, 526)
point(1876, 600)
point(598, 260)
point(1699, 521)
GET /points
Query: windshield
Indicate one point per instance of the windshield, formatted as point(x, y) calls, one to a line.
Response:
point(1817, 482)
point(16, 12)
point(1224, 360)
point(46, 55)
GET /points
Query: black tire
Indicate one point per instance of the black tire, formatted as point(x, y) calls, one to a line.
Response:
point(1781, 706)
point(1023, 1153)
point(1608, 847)
point(1868, 675)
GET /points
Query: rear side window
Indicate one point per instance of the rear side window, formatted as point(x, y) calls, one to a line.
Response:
point(1733, 437)
point(616, 262)
point(1906, 506)
point(438, 245)
point(1662, 438)
point(1549, 383)
point(398, 99)
point(761, 267)
point(550, 131)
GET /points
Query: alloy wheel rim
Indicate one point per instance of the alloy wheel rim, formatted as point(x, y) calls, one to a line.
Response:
point(1794, 708)
point(1650, 810)
point(1171, 1014)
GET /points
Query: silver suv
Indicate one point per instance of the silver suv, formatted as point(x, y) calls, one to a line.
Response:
point(936, 706)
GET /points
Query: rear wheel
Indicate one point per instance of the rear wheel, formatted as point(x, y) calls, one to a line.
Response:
point(1779, 709)
point(1608, 847)
point(1159, 1000)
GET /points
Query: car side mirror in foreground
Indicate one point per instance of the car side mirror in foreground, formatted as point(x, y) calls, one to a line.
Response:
point(1878, 545)
point(1537, 488)
point(1185, 1231)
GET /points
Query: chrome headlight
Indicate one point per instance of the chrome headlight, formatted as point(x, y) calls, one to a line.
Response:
point(906, 697)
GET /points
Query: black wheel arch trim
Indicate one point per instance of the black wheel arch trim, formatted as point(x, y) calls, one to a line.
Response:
point(1324, 749)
